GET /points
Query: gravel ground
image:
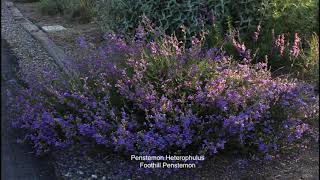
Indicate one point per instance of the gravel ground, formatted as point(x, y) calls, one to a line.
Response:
point(32, 58)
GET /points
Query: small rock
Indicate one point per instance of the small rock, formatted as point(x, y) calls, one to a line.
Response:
point(53, 28)
point(306, 176)
point(278, 176)
point(68, 174)
point(94, 176)
point(80, 172)
point(104, 178)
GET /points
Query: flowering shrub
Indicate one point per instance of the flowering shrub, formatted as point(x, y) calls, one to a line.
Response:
point(162, 98)
point(286, 16)
point(311, 66)
point(297, 57)
point(287, 54)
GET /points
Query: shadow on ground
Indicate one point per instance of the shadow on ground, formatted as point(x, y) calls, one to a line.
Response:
point(17, 160)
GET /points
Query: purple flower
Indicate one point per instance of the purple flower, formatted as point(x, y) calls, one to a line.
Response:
point(82, 43)
point(163, 98)
point(268, 157)
point(223, 105)
point(86, 130)
point(263, 147)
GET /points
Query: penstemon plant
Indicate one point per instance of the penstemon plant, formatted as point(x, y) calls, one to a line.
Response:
point(159, 97)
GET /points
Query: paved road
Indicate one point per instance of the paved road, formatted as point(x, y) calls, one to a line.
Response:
point(17, 161)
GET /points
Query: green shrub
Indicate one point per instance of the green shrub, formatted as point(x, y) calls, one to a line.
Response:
point(279, 17)
point(295, 57)
point(83, 10)
point(289, 17)
point(310, 62)
point(292, 16)
point(170, 15)
point(284, 16)
point(49, 7)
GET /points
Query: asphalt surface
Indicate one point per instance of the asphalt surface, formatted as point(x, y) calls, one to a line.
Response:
point(18, 162)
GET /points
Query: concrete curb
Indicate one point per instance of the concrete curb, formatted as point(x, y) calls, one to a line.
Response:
point(58, 55)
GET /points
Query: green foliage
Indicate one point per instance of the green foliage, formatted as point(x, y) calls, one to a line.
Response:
point(292, 16)
point(310, 62)
point(214, 37)
point(169, 15)
point(49, 7)
point(285, 16)
point(83, 10)
point(245, 13)
point(278, 17)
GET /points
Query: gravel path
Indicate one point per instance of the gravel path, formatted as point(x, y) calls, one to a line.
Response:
point(33, 60)
point(17, 160)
